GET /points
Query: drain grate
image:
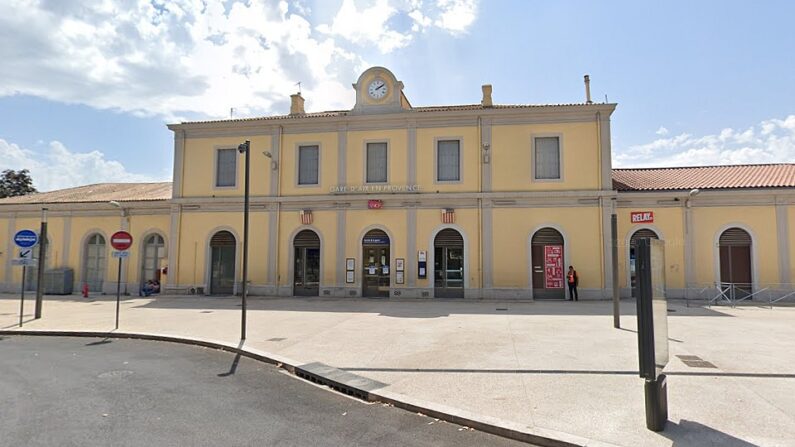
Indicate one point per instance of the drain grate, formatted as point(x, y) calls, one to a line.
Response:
point(338, 380)
point(502, 308)
point(276, 339)
point(695, 361)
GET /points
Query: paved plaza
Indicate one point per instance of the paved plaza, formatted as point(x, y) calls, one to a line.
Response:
point(556, 366)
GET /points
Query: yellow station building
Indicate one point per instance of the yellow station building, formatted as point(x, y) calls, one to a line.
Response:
point(391, 200)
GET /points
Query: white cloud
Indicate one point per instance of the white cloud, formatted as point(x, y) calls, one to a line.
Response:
point(191, 57)
point(372, 24)
point(771, 141)
point(58, 167)
point(456, 16)
point(662, 131)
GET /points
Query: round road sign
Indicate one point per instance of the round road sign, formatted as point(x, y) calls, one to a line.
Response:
point(26, 238)
point(121, 240)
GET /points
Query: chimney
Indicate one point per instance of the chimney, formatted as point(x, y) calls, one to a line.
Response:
point(297, 104)
point(486, 101)
point(588, 90)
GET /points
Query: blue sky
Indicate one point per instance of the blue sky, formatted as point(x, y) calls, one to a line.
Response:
point(88, 87)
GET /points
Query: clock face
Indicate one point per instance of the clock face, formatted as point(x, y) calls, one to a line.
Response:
point(377, 89)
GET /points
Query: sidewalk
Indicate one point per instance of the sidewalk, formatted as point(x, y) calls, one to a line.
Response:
point(547, 365)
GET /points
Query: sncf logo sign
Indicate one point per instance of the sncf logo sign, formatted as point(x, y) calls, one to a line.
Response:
point(642, 216)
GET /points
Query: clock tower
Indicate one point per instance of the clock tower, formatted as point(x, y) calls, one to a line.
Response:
point(379, 91)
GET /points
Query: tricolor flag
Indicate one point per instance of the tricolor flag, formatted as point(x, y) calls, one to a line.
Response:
point(306, 217)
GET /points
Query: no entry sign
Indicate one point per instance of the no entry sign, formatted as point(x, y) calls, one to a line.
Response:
point(121, 240)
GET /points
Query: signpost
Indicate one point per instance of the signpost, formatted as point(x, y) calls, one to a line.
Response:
point(25, 240)
point(120, 241)
point(652, 329)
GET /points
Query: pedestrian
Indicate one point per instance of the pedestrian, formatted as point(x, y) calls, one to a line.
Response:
point(572, 280)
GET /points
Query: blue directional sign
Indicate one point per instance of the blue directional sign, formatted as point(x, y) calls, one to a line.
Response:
point(26, 238)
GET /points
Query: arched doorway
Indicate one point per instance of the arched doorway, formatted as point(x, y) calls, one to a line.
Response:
point(306, 270)
point(223, 247)
point(734, 248)
point(633, 243)
point(448, 260)
point(94, 262)
point(375, 261)
point(548, 264)
point(153, 249)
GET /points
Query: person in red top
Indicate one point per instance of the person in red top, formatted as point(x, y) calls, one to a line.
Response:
point(572, 280)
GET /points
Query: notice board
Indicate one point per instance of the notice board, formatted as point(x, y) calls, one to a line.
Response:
point(553, 266)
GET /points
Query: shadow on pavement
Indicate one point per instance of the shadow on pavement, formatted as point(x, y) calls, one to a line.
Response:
point(690, 433)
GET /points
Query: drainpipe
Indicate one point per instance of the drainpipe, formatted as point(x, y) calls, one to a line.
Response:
point(480, 206)
point(279, 208)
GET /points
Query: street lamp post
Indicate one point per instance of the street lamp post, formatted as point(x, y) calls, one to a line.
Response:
point(42, 263)
point(245, 148)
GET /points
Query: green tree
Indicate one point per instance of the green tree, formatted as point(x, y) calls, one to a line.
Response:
point(15, 183)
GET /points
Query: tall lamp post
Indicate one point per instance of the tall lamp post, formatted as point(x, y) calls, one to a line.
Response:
point(245, 148)
point(42, 263)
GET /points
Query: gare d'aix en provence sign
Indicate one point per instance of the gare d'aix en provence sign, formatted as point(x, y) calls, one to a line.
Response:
point(368, 189)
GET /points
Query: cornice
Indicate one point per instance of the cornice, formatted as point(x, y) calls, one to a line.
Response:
point(404, 119)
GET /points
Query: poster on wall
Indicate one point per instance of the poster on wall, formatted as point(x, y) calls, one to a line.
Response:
point(553, 266)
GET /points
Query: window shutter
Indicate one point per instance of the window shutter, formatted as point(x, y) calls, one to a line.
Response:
point(308, 165)
point(547, 158)
point(226, 168)
point(448, 160)
point(376, 163)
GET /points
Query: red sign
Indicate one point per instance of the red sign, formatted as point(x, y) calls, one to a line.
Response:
point(642, 216)
point(553, 266)
point(121, 240)
point(375, 204)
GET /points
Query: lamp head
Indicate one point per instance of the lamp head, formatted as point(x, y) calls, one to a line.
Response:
point(694, 192)
point(267, 154)
point(115, 203)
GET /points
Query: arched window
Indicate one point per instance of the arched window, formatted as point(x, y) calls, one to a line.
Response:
point(94, 262)
point(154, 248)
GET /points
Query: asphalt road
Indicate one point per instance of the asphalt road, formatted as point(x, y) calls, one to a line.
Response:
point(93, 392)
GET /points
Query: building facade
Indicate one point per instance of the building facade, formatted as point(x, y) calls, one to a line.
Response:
point(390, 200)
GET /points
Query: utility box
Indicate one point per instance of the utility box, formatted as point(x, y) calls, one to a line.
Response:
point(58, 281)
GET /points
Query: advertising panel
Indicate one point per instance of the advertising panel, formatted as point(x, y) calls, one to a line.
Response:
point(553, 266)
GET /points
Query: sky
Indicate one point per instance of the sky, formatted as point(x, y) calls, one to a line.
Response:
point(88, 86)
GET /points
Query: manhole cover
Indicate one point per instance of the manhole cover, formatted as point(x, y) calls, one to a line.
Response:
point(695, 361)
point(115, 374)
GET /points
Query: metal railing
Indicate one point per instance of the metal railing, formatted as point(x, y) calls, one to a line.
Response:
point(733, 294)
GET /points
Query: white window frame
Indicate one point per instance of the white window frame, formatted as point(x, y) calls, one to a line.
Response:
point(436, 141)
point(364, 157)
point(216, 152)
point(298, 147)
point(533, 138)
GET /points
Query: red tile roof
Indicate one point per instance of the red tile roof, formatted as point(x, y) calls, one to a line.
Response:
point(705, 177)
point(100, 192)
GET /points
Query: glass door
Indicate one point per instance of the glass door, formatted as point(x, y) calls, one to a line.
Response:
point(375, 278)
point(448, 272)
point(306, 278)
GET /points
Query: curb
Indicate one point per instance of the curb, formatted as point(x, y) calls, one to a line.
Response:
point(500, 427)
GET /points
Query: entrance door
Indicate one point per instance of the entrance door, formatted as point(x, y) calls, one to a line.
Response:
point(375, 260)
point(735, 262)
point(306, 274)
point(548, 264)
point(222, 263)
point(153, 250)
point(633, 243)
point(448, 260)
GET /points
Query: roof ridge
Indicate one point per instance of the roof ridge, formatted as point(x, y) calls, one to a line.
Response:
point(703, 166)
